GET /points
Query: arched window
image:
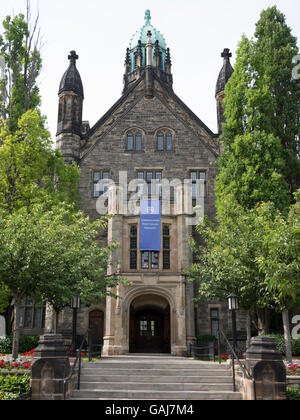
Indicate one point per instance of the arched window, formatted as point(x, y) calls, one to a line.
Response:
point(164, 142)
point(134, 141)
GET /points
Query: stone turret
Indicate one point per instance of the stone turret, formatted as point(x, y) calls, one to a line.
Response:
point(69, 126)
point(224, 75)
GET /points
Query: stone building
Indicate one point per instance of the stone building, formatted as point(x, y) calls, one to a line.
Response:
point(147, 139)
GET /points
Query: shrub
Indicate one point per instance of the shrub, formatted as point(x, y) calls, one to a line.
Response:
point(293, 394)
point(26, 343)
point(206, 338)
point(12, 386)
point(279, 339)
point(6, 345)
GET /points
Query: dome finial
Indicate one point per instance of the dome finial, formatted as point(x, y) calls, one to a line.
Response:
point(147, 16)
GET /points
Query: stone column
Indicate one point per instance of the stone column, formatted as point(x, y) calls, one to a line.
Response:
point(112, 336)
point(265, 364)
point(49, 368)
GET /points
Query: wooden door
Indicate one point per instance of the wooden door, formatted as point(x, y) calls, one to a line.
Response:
point(96, 326)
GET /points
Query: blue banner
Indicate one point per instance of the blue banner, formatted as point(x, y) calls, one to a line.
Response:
point(150, 225)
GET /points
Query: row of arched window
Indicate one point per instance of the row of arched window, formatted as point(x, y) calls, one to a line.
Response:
point(164, 141)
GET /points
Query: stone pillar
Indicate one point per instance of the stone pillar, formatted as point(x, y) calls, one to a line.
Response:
point(49, 368)
point(265, 364)
point(112, 334)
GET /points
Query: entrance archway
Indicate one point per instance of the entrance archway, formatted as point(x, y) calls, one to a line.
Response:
point(150, 325)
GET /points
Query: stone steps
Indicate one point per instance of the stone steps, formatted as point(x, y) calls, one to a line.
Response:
point(154, 395)
point(155, 379)
point(149, 377)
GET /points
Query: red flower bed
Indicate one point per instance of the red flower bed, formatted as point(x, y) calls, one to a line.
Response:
point(22, 363)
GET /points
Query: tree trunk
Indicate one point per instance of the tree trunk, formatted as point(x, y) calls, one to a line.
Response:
point(16, 329)
point(287, 336)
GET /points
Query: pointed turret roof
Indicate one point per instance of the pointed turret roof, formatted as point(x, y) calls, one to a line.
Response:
point(71, 80)
point(226, 71)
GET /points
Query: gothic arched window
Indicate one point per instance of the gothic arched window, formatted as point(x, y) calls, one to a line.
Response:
point(134, 141)
point(164, 141)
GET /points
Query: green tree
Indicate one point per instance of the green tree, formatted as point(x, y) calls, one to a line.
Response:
point(280, 261)
point(261, 133)
point(52, 255)
point(4, 298)
point(30, 169)
point(19, 47)
point(226, 262)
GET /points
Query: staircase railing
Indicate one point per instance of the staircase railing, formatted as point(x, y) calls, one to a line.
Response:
point(77, 360)
point(93, 350)
point(234, 357)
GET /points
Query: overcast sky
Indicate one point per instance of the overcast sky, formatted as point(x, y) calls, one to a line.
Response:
point(196, 31)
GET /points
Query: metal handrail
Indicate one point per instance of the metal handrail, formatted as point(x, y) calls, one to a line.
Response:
point(246, 373)
point(78, 359)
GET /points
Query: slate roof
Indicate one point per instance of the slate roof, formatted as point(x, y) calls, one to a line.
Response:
point(71, 80)
point(226, 71)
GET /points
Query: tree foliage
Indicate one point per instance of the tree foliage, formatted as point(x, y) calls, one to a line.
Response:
point(253, 250)
point(227, 261)
point(51, 255)
point(30, 169)
point(19, 47)
point(261, 134)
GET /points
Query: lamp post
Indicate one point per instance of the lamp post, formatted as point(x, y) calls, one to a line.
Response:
point(233, 306)
point(75, 305)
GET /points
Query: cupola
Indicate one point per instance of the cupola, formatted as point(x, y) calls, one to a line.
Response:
point(136, 56)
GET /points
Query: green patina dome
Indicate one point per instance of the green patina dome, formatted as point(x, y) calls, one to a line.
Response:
point(141, 34)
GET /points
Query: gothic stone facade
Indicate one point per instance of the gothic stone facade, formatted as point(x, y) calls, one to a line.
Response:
point(149, 132)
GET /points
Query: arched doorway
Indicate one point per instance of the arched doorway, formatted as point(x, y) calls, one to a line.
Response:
point(96, 326)
point(150, 325)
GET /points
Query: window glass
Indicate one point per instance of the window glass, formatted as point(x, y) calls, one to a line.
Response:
point(160, 142)
point(97, 176)
point(202, 175)
point(155, 260)
point(138, 142)
point(130, 141)
point(145, 260)
point(166, 260)
point(194, 176)
point(149, 176)
point(166, 248)
point(133, 247)
point(169, 142)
